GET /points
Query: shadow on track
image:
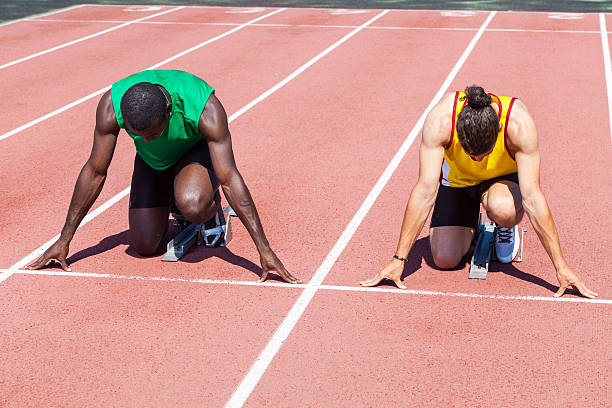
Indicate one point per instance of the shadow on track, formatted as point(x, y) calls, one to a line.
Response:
point(421, 252)
point(201, 253)
point(108, 243)
point(195, 255)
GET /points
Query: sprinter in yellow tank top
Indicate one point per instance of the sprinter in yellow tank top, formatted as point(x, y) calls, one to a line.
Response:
point(477, 148)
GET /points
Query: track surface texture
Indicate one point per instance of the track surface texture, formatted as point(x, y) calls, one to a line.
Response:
point(325, 108)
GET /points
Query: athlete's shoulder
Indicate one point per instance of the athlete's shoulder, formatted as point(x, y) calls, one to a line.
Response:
point(447, 100)
point(519, 117)
point(438, 123)
point(106, 120)
point(521, 132)
point(213, 120)
point(443, 109)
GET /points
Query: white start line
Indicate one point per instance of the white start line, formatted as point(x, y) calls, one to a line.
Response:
point(48, 272)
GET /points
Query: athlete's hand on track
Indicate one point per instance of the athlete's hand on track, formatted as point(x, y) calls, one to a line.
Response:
point(271, 263)
point(56, 252)
point(567, 277)
point(393, 271)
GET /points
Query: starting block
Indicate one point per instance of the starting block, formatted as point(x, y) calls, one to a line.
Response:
point(483, 249)
point(195, 234)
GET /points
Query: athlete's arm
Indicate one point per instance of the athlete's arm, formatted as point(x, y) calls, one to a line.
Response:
point(213, 124)
point(88, 184)
point(523, 142)
point(435, 135)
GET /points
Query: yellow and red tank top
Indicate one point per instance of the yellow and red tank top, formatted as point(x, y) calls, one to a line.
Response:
point(459, 169)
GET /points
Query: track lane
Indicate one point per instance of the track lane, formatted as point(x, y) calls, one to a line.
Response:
point(50, 13)
point(465, 20)
point(572, 147)
point(323, 17)
point(107, 57)
point(361, 350)
point(238, 89)
point(267, 355)
point(28, 37)
point(547, 21)
point(103, 342)
point(93, 12)
point(453, 351)
point(43, 162)
point(85, 38)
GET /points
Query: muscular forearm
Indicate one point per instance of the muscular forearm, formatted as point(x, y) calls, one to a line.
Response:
point(419, 205)
point(544, 226)
point(86, 191)
point(240, 199)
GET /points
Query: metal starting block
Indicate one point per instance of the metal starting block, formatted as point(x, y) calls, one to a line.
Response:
point(219, 235)
point(483, 250)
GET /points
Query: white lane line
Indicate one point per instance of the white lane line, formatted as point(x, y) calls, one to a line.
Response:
point(264, 359)
point(469, 295)
point(607, 65)
point(150, 278)
point(43, 14)
point(178, 23)
point(330, 26)
point(127, 5)
point(106, 88)
point(88, 37)
point(54, 113)
point(523, 30)
point(46, 272)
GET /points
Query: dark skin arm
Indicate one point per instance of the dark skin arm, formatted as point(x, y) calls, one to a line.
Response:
point(88, 184)
point(213, 124)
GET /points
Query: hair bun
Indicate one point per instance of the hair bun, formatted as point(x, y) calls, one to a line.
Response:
point(477, 98)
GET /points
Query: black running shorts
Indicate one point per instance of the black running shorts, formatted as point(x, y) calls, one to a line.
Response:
point(155, 188)
point(457, 206)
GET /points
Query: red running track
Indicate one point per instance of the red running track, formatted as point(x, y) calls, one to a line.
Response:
point(310, 153)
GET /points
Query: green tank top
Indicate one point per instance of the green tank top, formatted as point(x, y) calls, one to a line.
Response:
point(189, 95)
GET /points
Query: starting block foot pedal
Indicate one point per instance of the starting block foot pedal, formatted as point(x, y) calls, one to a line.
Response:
point(179, 245)
point(218, 235)
point(483, 250)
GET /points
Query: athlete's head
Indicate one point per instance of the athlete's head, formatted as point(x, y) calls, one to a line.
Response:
point(144, 108)
point(478, 123)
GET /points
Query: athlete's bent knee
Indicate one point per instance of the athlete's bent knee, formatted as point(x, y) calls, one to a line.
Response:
point(145, 248)
point(447, 261)
point(503, 211)
point(196, 207)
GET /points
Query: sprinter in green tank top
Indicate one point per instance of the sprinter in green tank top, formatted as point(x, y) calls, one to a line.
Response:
point(184, 150)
